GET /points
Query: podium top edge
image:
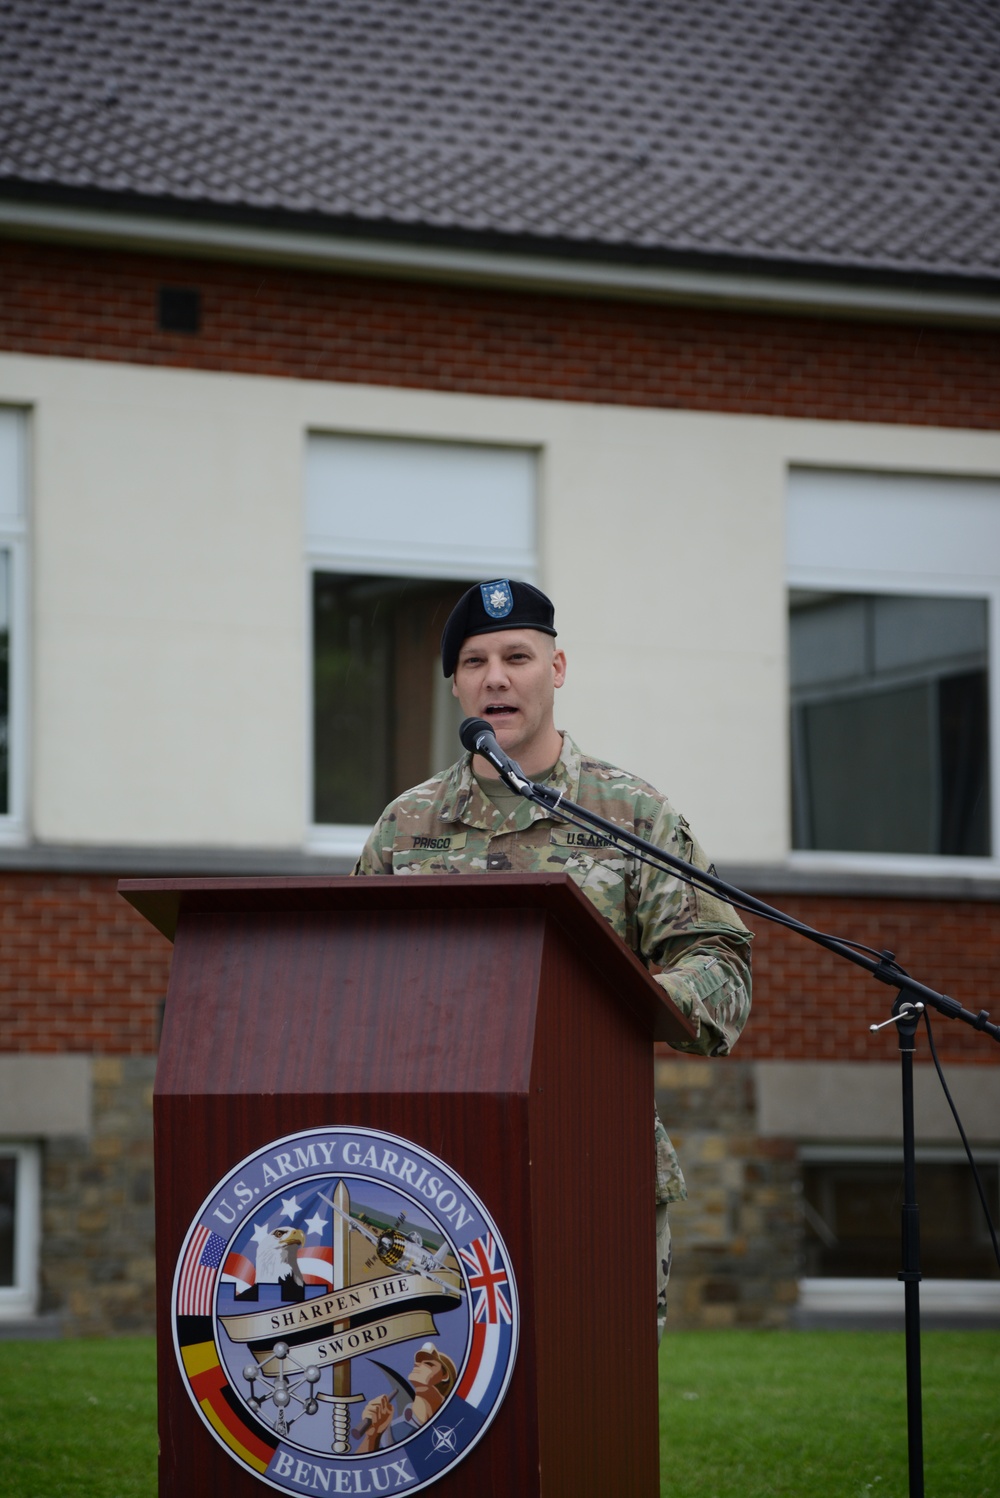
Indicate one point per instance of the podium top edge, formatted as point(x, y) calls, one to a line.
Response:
point(163, 902)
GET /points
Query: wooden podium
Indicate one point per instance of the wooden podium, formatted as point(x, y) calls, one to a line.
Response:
point(495, 1021)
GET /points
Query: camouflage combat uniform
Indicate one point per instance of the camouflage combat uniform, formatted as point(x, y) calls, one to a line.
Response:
point(694, 945)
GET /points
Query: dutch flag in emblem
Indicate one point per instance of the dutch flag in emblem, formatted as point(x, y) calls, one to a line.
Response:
point(492, 1321)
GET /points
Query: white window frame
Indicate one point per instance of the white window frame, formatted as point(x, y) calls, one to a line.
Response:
point(14, 541)
point(852, 563)
point(21, 1299)
point(383, 556)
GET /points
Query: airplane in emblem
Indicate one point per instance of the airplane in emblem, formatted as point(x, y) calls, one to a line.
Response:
point(406, 1254)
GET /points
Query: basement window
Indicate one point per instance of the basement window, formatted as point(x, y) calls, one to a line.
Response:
point(852, 1205)
point(19, 1229)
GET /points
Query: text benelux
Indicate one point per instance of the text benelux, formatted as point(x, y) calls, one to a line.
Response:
point(313, 1478)
point(353, 1154)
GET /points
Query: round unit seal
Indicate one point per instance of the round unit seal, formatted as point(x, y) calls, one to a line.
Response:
point(344, 1314)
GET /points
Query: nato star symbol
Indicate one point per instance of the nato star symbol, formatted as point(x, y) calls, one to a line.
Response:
point(443, 1438)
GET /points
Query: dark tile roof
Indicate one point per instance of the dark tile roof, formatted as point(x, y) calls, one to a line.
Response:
point(859, 135)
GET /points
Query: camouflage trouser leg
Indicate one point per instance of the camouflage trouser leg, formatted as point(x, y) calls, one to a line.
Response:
point(663, 1255)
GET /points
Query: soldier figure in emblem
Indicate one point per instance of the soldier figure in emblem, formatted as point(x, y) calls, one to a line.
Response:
point(431, 1380)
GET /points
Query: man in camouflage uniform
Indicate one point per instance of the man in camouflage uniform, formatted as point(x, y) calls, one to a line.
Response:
point(499, 643)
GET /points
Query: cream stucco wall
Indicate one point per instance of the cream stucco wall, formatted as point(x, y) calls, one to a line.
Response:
point(168, 591)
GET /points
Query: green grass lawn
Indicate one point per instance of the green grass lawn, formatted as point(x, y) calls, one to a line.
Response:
point(742, 1415)
point(78, 1418)
point(823, 1415)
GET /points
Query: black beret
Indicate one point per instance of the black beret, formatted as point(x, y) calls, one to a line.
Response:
point(487, 607)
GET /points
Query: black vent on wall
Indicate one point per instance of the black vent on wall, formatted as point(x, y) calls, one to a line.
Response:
point(179, 309)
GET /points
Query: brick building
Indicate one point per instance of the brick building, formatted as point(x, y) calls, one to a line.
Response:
point(711, 345)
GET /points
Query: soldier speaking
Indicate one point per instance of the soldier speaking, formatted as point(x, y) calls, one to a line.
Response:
point(499, 646)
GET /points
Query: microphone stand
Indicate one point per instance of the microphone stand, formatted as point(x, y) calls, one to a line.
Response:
point(911, 1000)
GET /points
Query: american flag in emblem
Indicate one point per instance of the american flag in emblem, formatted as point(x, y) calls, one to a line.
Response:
point(196, 1278)
point(487, 1281)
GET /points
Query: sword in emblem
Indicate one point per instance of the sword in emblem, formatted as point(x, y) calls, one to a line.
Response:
point(342, 1396)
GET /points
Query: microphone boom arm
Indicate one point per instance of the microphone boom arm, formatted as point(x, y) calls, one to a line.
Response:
point(884, 968)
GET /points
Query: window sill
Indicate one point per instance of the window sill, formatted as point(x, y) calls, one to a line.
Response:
point(913, 864)
point(824, 1301)
point(890, 875)
point(25, 1327)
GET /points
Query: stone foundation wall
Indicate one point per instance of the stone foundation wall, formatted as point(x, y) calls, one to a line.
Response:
point(737, 1239)
point(98, 1230)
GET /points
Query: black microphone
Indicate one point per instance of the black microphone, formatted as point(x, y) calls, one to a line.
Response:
point(478, 737)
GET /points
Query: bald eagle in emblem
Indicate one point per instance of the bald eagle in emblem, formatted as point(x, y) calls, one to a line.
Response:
point(278, 1257)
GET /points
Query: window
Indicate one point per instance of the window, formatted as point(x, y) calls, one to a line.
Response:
point(890, 723)
point(894, 586)
point(852, 1216)
point(13, 491)
point(396, 531)
point(383, 715)
point(19, 1217)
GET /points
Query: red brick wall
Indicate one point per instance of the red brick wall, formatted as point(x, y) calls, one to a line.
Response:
point(81, 971)
point(809, 1004)
point(99, 304)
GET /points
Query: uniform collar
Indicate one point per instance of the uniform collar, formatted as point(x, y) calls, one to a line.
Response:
point(464, 800)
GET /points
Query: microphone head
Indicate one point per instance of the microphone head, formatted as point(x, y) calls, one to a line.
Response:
point(471, 731)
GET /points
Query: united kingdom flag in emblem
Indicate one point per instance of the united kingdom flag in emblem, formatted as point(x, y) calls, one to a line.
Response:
point(487, 1280)
point(493, 1322)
